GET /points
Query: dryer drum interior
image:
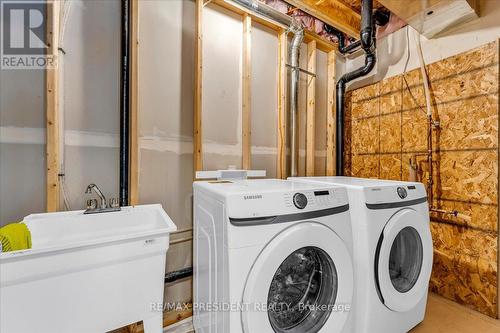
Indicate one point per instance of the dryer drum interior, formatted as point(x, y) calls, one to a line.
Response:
point(405, 260)
point(302, 292)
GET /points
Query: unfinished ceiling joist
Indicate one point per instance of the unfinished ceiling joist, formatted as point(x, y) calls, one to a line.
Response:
point(52, 109)
point(332, 12)
point(321, 43)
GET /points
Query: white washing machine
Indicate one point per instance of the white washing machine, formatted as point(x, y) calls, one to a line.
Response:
point(392, 252)
point(271, 256)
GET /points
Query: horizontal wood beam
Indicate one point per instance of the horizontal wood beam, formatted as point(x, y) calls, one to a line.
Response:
point(332, 12)
point(169, 318)
point(242, 11)
point(321, 43)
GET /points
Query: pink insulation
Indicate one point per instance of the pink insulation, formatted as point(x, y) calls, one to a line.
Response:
point(317, 26)
point(395, 23)
point(309, 22)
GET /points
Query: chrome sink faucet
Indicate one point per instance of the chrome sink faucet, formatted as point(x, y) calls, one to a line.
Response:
point(98, 192)
point(111, 206)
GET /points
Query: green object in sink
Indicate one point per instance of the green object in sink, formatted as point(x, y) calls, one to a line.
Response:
point(15, 237)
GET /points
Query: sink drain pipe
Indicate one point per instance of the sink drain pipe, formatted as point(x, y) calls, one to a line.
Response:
point(296, 29)
point(367, 43)
point(124, 102)
point(178, 275)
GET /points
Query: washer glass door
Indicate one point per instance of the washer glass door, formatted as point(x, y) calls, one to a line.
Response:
point(303, 291)
point(404, 260)
point(301, 282)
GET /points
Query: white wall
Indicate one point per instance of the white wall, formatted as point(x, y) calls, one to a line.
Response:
point(90, 79)
point(89, 84)
point(166, 95)
point(166, 90)
point(264, 100)
point(221, 94)
point(392, 49)
point(22, 144)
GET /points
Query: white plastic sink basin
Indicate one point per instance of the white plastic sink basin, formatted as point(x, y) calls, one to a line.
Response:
point(71, 229)
point(87, 273)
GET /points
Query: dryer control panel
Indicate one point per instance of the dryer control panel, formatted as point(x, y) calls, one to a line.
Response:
point(397, 194)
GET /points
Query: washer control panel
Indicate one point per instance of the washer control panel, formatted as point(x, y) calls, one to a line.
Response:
point(313, 199)
point(300, 200)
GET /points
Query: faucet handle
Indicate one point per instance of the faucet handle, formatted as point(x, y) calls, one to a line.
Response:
point(91, 203)
point(113, 203)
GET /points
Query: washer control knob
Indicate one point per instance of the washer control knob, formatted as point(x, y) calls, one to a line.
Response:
point(402, 192)
point(300, 200)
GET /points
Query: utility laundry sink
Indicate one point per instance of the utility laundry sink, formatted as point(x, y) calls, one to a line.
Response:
point(87, 273)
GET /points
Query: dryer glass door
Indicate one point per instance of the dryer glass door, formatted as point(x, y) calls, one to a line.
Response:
point(404, 260)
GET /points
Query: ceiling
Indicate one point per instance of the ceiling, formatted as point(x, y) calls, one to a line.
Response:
point(356, 4)
point(343, 15)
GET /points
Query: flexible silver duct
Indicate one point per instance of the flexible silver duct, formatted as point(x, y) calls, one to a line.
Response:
point(296, 29)
point(298, 37)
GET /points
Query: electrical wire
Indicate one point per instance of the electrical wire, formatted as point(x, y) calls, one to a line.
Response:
point(66, 6)
point(408, 54)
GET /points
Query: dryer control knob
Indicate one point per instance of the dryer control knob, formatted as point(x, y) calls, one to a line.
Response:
point(300, 200)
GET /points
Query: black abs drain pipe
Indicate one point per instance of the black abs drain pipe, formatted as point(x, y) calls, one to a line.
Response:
point(177, 275)
point(367, 43)
point(124, 102)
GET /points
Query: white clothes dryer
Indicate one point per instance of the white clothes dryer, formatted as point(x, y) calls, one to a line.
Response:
point(392, 251)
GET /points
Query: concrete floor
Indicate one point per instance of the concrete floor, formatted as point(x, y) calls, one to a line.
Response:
point(443, 316)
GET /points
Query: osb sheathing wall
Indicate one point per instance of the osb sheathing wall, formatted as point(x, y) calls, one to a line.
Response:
point(385, 128)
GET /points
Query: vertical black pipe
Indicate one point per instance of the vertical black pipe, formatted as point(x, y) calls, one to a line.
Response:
point(124, 102)
point(367, 42)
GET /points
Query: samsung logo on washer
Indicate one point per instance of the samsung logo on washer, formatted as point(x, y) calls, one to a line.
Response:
point(252, 197)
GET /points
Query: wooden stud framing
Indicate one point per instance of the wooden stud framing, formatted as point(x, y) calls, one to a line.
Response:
point(52, 109)
point(242, 11)
point(282, 104)
point(246, 107)
point(134, 100)
point(330, 116)
point(249, 16)
point(311, 109)
point(321, 44)
point(197, 138)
